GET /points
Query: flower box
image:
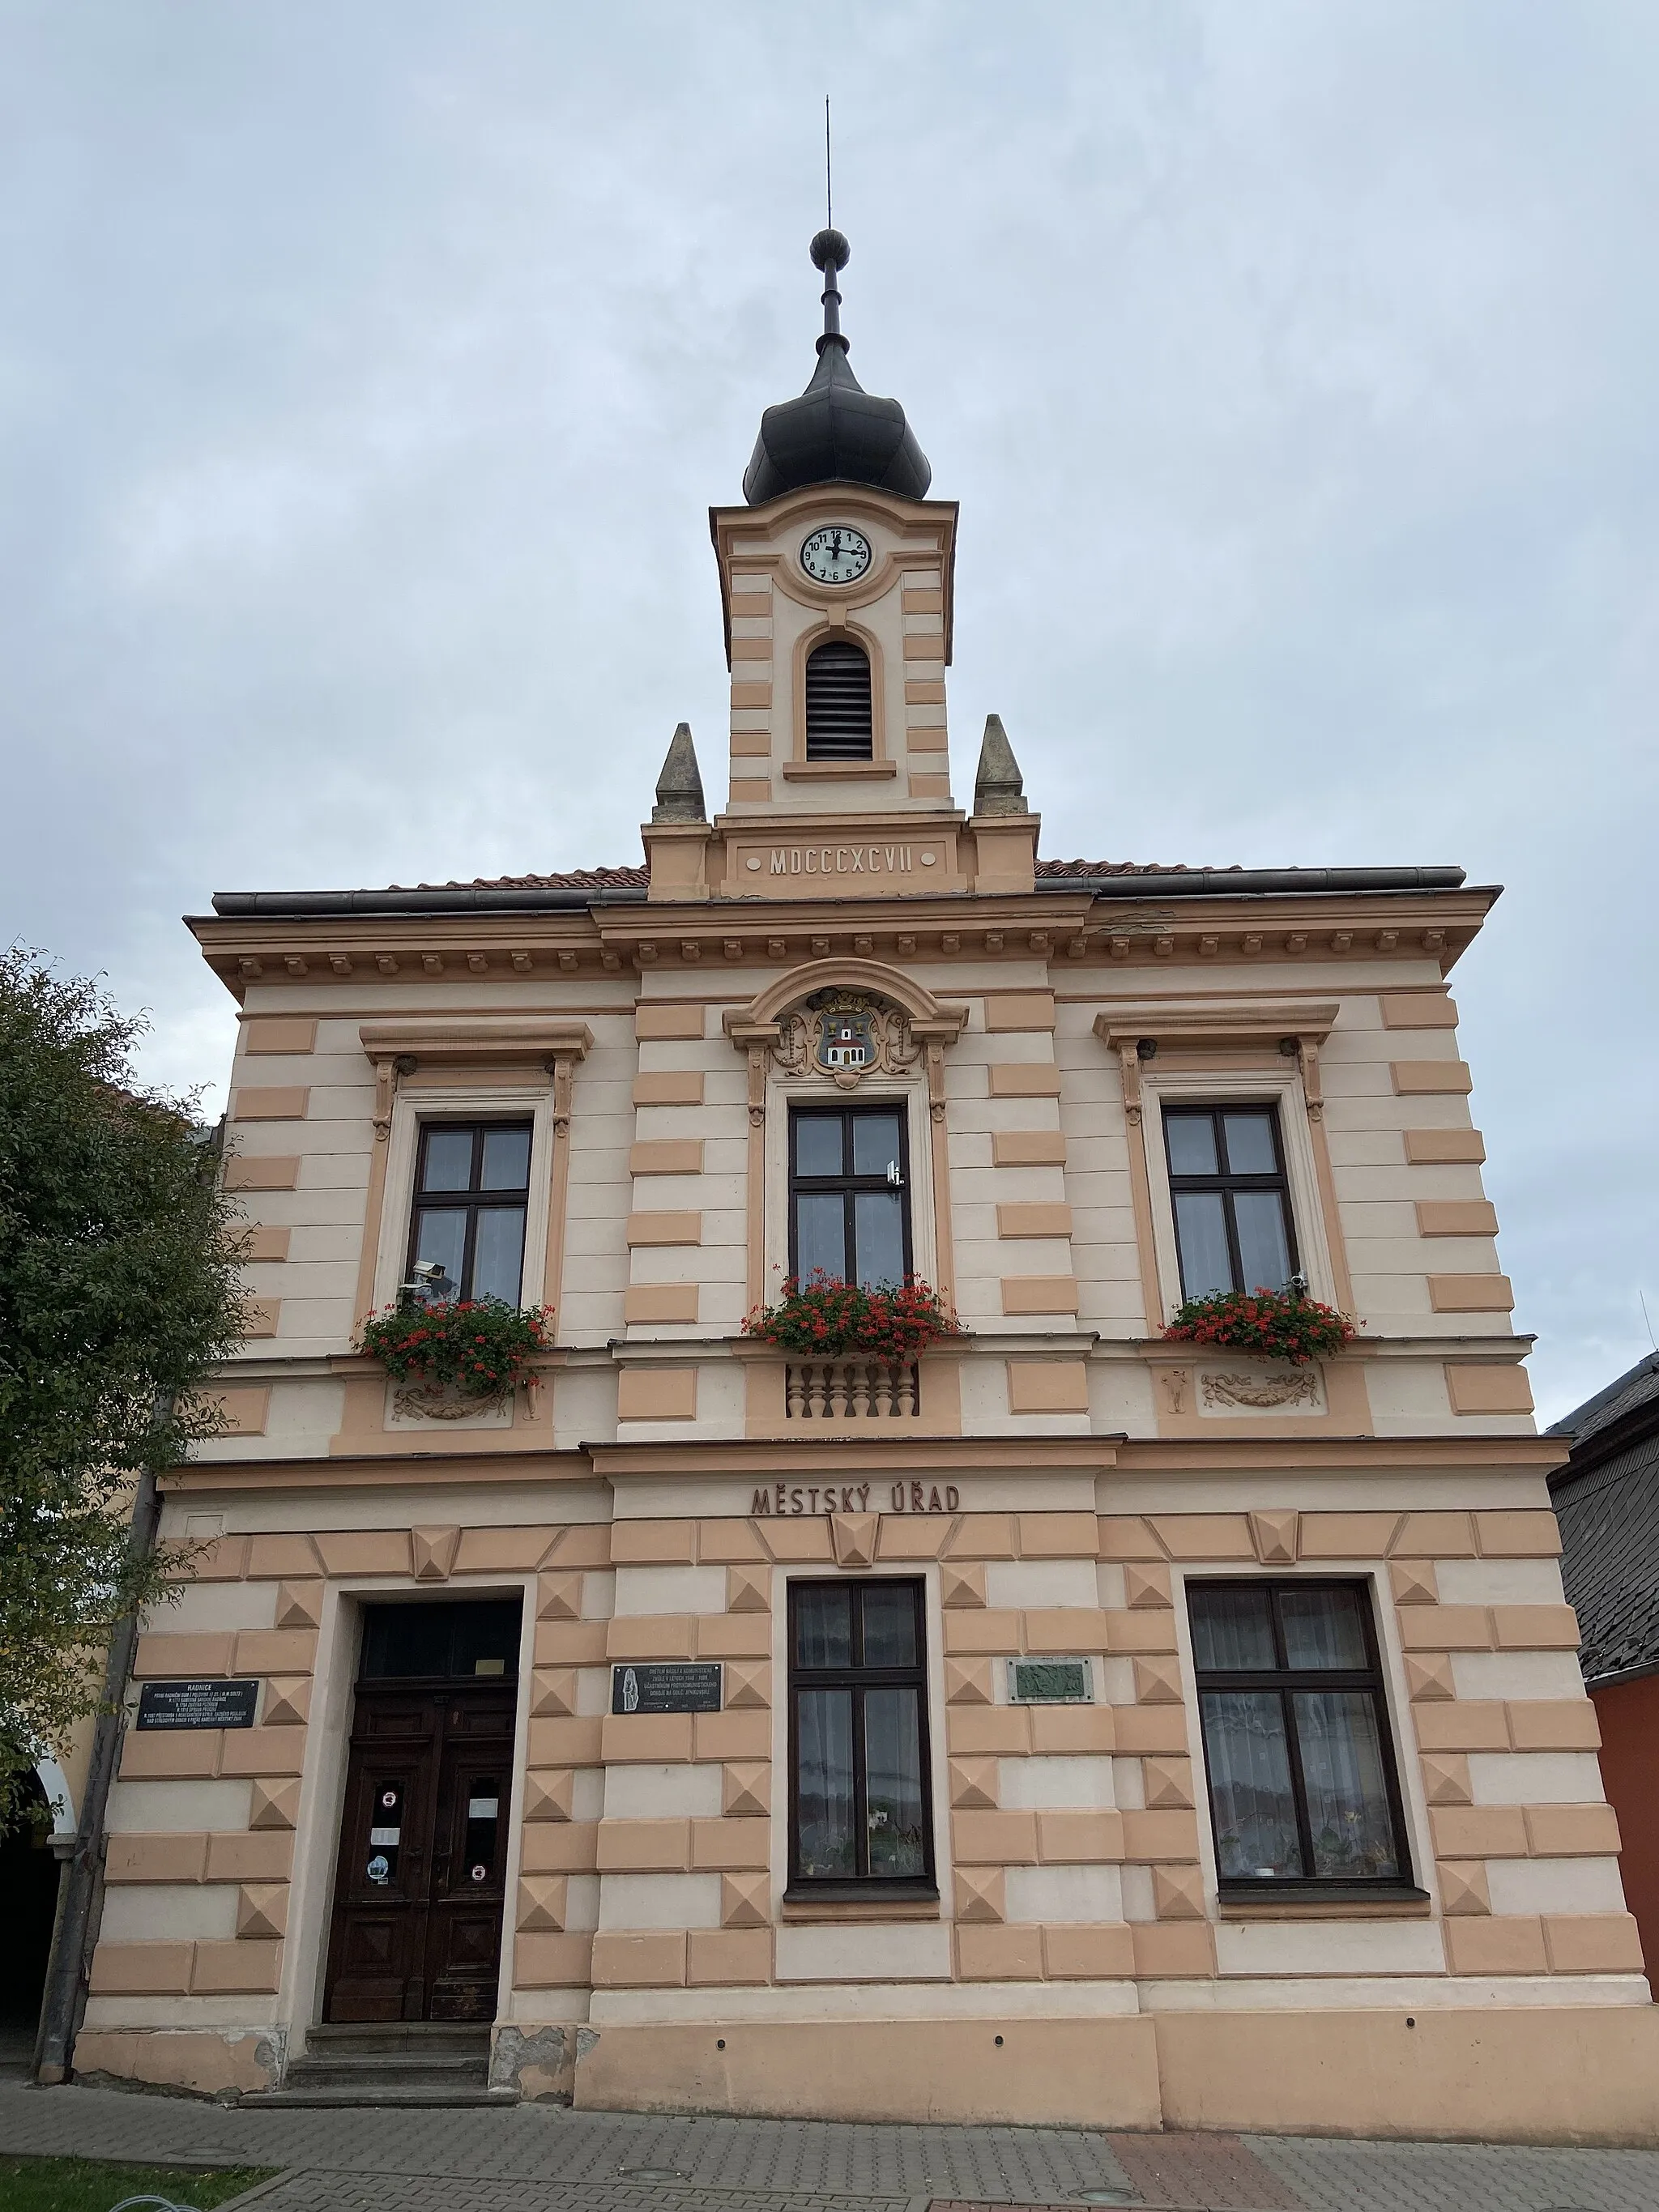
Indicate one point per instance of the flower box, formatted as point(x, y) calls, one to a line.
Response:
point(826, 1319)
point(460, 1355)
point(1281, 1325)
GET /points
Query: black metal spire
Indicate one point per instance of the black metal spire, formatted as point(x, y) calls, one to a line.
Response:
point(830, 252)
point(836, 432)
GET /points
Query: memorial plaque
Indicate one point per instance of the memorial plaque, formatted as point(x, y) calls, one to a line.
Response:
point(667, 1687)
point(1050, 1682)
point(211, 1705)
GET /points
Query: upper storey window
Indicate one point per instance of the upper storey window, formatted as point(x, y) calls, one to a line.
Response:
point(848, 1207)
point(838, 714)
point(1232, 1211)
point(471, 1193)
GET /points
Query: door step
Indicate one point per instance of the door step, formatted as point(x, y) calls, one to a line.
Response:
point(402, 2063)
point(381, 2095)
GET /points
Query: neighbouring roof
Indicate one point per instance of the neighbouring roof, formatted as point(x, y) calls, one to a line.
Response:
point(1634, 1387)
point(1606, 1499)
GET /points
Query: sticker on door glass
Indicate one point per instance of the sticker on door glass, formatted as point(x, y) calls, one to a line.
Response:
point(484, 1806)
point(386, 1834)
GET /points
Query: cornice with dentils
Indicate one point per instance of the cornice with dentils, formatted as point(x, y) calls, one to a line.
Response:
point(1323, 916)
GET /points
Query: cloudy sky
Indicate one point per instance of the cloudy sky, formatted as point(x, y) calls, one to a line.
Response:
point(366, 375)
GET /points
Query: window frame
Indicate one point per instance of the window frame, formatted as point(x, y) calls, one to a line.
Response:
point(801, 1888)
point(1227, 1184)
point(1318, 1228)
point(474, 1199)
point(821, 1108)
point(1282, 1679)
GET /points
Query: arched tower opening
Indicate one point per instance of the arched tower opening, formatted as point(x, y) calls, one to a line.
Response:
point(839, 720)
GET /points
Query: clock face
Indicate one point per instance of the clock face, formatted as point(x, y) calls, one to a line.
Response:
point(836, 554)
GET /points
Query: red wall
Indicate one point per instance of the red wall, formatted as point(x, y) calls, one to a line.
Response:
point(1629, 1713)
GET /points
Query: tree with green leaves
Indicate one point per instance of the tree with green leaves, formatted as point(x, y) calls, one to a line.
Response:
point(118, 1292)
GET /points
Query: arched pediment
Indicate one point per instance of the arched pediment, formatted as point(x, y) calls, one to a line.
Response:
point(928, 1017)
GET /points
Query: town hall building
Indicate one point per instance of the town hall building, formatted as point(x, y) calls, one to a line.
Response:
point(1070, 1723)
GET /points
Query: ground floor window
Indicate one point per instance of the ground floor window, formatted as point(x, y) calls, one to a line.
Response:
point(1301, 1777)
point(860, 1819)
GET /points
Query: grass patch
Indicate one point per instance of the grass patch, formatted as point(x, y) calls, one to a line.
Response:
point(92, 2185)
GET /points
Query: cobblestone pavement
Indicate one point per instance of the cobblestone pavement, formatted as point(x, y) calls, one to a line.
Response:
point(542, 2159)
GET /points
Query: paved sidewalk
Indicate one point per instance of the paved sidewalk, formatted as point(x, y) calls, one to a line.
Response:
point(536, 2158)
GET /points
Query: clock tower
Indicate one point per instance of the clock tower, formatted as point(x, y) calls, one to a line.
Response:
point(836, 580)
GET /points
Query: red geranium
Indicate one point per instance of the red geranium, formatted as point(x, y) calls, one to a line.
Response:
point(441, 1352)
point(826, 1318)
point(1277, 1324)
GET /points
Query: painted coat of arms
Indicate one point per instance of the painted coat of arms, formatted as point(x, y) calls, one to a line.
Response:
point(845, 1036)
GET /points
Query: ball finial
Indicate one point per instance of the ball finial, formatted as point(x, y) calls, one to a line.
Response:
point(830, 250)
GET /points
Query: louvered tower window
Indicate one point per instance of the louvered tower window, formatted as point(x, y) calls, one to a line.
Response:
point(838, 725)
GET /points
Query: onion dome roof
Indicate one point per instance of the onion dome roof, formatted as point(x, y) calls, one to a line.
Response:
point(835, 432)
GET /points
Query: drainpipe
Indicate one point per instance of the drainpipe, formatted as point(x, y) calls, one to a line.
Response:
point(80, 1897)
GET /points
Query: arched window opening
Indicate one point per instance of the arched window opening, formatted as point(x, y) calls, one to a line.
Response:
point(838, 722)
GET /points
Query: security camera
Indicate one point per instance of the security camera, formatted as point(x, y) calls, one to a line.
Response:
point(428, 1276)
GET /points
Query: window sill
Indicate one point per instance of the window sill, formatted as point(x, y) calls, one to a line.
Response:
point(836, 771)
point(1385, 1902)
point(804, 1904)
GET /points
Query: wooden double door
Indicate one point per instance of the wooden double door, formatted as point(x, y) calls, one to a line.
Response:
point(418, 1894)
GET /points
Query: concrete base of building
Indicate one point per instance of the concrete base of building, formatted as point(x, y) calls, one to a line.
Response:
point(1555, 2074)
point(1102, 2073)
point(1551, 2074)
point(192, 2062)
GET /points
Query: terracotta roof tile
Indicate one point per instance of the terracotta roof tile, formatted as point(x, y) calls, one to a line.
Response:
point(574, 879)
point(1123, 868)
point(638, 877)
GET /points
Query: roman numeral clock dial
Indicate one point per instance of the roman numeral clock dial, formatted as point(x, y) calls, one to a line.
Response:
point(836, 554)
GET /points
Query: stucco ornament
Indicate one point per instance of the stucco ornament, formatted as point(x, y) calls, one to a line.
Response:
point(1261, 1391)
point(845, 1034)
point(441, 1401)
point(1175, 1382)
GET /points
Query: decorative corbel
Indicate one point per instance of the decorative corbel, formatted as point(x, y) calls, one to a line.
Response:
point(1307, 1058)
point(935, 1034)
point(562, 1069)
point(936, 1080)
point(756, 1040)
point(386, 1073)
point(1128, 1055)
